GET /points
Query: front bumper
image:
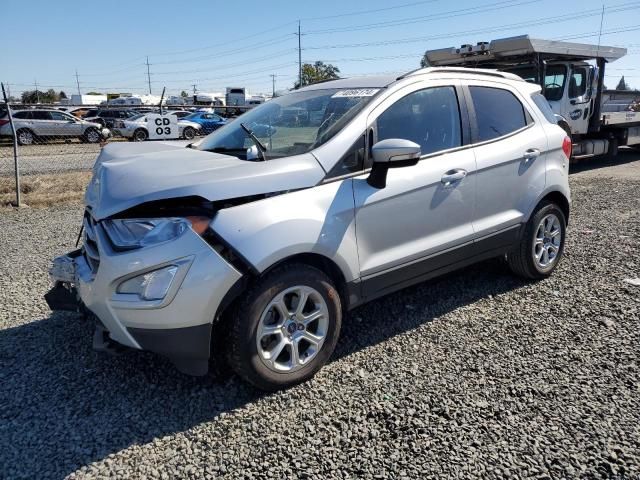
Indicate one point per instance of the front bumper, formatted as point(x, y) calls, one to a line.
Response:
point(177, 326)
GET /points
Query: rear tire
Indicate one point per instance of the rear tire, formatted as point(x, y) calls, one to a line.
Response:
point(542, 243)
point(25, 137)
point(140, 135)
point(274, 341)
point(188, 133)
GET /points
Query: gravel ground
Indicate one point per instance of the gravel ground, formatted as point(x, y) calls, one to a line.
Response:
point(475, 375)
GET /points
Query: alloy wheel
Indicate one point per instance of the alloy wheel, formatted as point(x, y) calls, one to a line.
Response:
point(292, 329)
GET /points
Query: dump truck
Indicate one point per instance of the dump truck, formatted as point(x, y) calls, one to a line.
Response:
point(571, 76)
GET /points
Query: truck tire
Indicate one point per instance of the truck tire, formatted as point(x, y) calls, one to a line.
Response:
point(613, 148)
point(542, 243)
point(274, 340)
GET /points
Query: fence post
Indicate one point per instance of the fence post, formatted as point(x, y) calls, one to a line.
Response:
point(15, 147)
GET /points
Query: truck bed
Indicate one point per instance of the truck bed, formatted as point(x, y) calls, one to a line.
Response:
point(621, 119)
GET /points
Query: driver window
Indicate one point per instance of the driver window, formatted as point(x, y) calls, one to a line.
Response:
point(578, 82)
point(430, 118)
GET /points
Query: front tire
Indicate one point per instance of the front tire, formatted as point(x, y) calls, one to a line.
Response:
point(286, 327)
point(542, 243)
point(92, 136)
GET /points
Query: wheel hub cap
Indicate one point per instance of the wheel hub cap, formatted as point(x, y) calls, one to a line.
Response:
point(547, 241)
point(292, 329)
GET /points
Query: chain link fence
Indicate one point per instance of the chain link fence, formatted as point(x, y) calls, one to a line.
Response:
point(57, 145)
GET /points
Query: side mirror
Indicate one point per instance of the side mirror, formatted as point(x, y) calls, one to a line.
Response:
point(391, 153)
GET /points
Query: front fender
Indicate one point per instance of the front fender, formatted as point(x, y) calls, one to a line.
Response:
point(316, 220)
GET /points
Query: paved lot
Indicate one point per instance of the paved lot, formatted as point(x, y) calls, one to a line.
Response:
point(476, 375)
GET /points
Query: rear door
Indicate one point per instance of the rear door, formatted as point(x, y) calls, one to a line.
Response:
point(43, 125)
point(510, 148)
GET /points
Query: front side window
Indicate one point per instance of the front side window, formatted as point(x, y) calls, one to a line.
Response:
point(292, 124)
point(578, 82)
point(60, 116)
point(498, 112)
point(430, 118)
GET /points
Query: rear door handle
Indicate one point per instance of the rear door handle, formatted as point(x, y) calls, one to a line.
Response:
point(453, 176)
point(531, 154)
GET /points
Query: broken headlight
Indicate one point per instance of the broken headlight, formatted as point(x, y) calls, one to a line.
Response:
point(129, 233)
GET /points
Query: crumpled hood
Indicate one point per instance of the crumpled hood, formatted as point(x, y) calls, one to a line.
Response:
point(128, 174)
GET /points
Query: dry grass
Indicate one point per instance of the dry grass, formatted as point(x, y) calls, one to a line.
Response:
point(45, 190)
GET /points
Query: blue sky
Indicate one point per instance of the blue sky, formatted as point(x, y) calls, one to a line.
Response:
point(219, 44)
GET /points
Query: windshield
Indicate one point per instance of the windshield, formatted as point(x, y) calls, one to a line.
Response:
point(553, 81)
point(293, 124)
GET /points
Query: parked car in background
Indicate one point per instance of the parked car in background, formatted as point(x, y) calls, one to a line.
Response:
point(108, 116)
point(212, 249)
point(78, 112)
point(179, 113)
point(135, 128)
point(209, 121)
point(40, 125)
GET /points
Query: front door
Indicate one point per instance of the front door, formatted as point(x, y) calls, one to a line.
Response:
point(423, 216)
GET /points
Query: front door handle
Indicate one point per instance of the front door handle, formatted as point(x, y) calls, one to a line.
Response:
point(453, 176)
point(531, 154)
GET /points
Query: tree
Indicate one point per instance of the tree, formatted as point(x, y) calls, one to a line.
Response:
point(62, 95)
point(184, 94)
point(622, 85)
point(318, 72)
point(424, 62)
point(94, 93)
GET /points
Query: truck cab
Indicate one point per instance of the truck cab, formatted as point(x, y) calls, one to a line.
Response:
point(569, 88)
point(571, 77)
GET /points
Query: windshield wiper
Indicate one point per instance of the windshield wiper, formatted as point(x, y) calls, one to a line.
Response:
point(261, 148)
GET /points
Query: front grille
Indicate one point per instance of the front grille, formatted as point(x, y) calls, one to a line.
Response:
point(90, 243)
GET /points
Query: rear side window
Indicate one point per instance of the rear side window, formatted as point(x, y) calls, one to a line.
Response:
point(41, 115)
point(498, 112)
point(542, 104)
point(23, 115)
point(430, 118)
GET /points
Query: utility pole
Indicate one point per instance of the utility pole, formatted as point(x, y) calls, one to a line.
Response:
point(299, 56)
point(78, 83)
point(148, 74)
point(195, 89)
point(35, 82)
point(273, 85)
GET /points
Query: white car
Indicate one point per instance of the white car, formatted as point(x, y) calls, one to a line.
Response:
point(135, 128)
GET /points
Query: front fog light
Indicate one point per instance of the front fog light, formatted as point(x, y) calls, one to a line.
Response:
point(150, 286)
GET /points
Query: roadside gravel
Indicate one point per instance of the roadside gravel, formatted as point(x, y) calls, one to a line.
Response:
point(476, 375)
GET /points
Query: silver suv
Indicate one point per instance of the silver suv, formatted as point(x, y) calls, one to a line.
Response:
point(41, 125)
point(254, 241)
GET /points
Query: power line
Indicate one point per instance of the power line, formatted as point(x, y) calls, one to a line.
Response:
point(426, 18)
point(365, 12)
point(530, 23)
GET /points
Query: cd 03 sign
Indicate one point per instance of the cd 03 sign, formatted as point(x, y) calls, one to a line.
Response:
point(162, 127)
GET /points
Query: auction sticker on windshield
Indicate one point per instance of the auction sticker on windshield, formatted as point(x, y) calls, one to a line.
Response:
point(162, 127)
point(356, 92)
